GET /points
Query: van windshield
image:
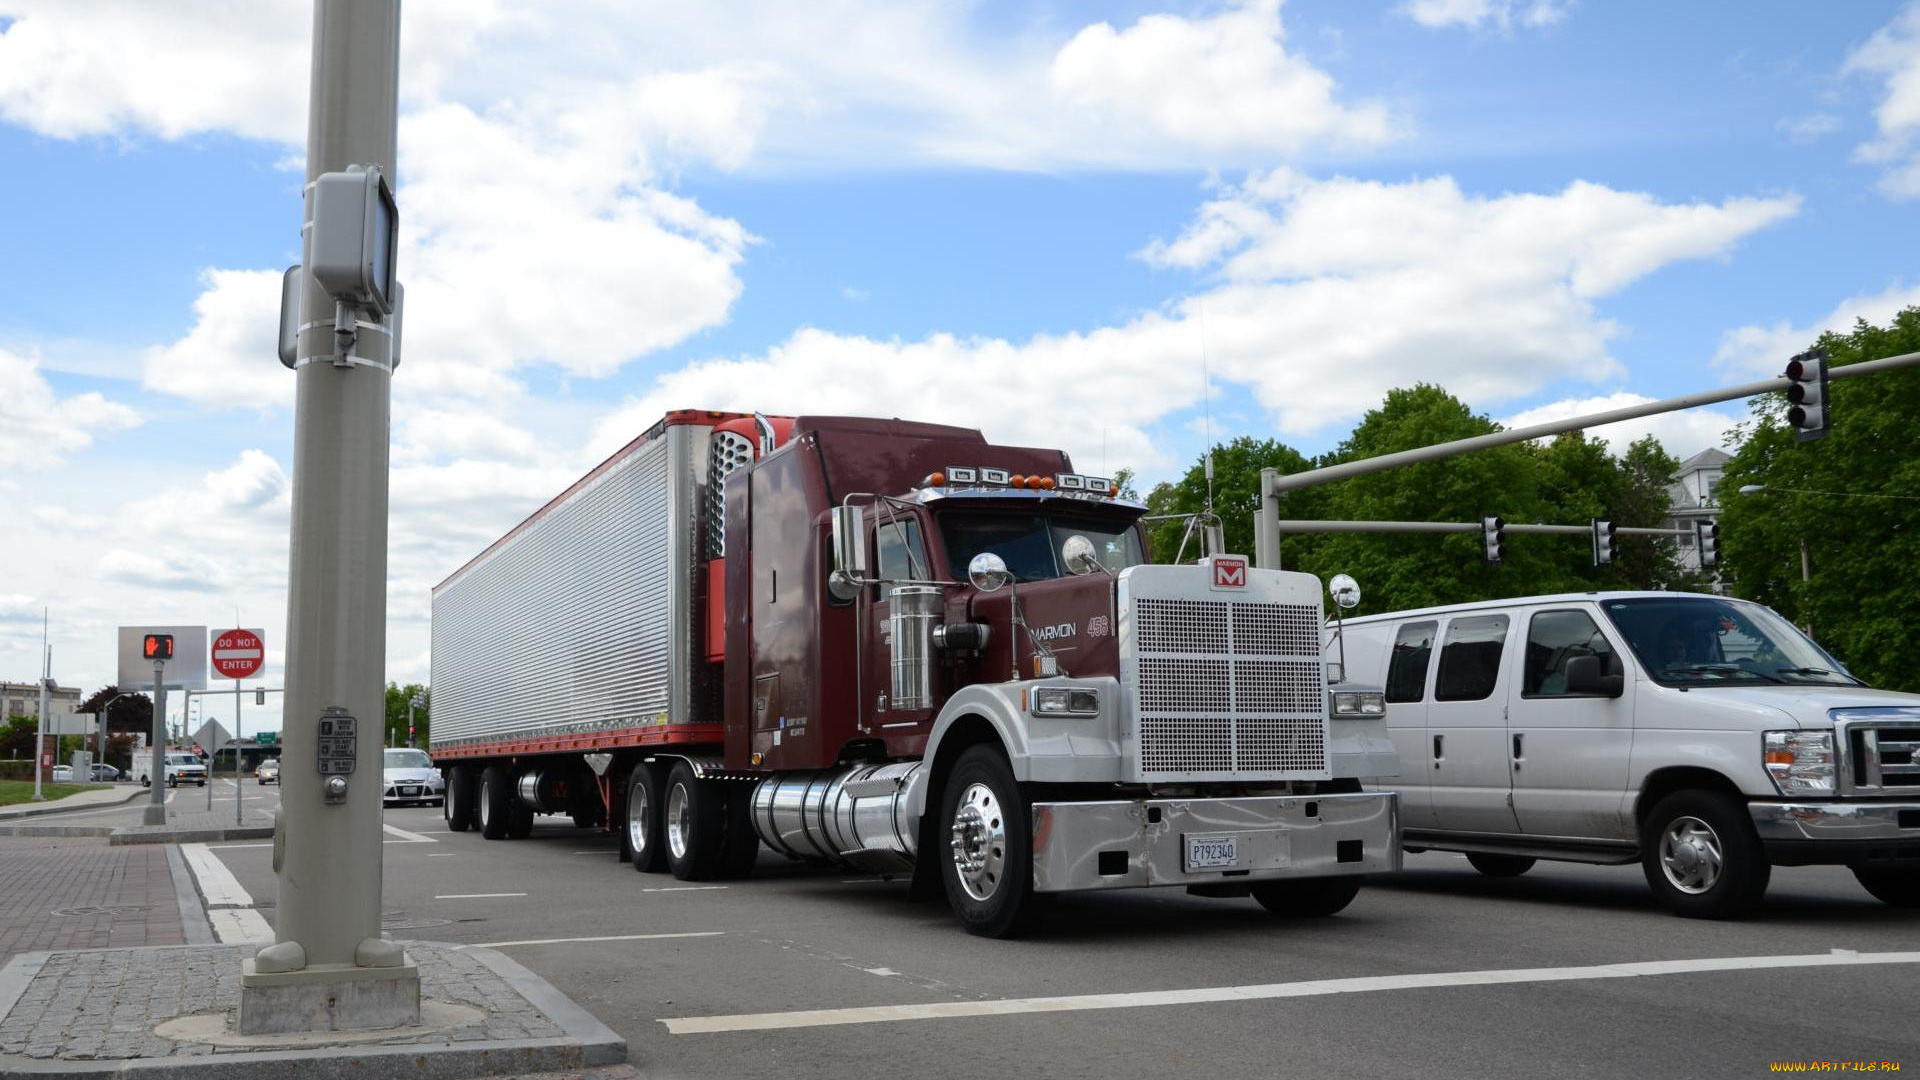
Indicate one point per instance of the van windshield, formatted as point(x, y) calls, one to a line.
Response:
point(1030, 543)
point(1703, 641)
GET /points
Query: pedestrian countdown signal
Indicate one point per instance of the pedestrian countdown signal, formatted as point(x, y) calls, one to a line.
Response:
point(157, 647)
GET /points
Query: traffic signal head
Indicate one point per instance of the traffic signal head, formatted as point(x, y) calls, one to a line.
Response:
point(1807, 395)
point(1493, 538)
point(1603, 538)
point(1707, 541)
point(157, 647)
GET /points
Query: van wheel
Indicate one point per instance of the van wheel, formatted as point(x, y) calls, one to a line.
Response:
point(458, 808)
point(1701, 856)
point(641, 837)
point(694, 819)
point(496, 798)
point(146, 781)
point(987, 866)
point(1499, 865)
point(1897, 886)
point(1310, 898)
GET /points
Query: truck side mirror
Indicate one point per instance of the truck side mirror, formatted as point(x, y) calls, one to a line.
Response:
point(1595, 675)
point(849, 552)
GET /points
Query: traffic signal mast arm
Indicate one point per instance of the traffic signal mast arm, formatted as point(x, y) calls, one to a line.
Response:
point(1293, 527)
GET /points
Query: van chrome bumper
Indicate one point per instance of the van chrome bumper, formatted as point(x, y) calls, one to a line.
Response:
point(1276, 836)
point(1807, 834)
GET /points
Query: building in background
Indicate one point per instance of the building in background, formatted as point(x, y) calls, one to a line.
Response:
point(23, 699)
point(1695, 495)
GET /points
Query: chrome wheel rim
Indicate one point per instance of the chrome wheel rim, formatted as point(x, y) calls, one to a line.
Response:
point(679, 820)
point(1691, 855)
point(637, 818)
point(486, 808)
point(979, 842)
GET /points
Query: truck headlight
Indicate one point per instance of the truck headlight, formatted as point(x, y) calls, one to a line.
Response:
point(1800, 762)
point(1065, 701)
point(1359, 703)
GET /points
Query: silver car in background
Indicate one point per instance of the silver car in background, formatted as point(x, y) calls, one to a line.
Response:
point(411, 778)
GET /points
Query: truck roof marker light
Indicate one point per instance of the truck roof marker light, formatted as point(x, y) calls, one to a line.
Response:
point(1044, 483)
point(1017, 482)
point(935, 479)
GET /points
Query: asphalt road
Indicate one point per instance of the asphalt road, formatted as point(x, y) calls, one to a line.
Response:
point(794, 938)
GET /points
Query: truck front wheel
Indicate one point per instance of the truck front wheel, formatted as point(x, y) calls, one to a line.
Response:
point(1701, 856)
point(496, 802)
point(988, 865)
point(1889, 885)
point(1310, 898)
point(694, 819)
point(642, 837)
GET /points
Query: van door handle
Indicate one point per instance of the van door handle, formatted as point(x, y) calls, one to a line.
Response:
point(1439, 749)
point(1518, 752)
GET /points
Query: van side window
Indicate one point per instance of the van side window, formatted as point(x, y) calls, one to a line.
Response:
point(1470, 660)
point(1553, 638)
point(901, 557)
point(1407, 669)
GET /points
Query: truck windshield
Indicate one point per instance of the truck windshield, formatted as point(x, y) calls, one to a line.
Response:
point(1700, 641)
point(1030, 543)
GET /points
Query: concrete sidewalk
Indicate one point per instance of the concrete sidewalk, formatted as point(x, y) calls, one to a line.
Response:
point(85, 894)
point(92, 799)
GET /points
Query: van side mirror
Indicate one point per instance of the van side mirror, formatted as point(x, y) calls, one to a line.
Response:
point(1595, 675)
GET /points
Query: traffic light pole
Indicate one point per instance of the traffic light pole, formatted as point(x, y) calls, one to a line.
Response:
point(329, 968)
point(157, 733)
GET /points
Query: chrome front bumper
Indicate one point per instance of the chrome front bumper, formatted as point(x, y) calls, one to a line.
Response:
point(1872, 822)
point(1140, 844)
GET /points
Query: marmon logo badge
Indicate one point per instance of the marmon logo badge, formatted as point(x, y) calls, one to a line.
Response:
point(1229, 572)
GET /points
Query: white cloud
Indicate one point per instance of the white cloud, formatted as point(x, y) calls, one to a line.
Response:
point(865, 81)
point(1894, 53)
point(1759, 351)
point(38, 427)
point(1500, 14)
point(1808, 128)
point(1682, 434)
point(1224, 83)
point(1334, 292)
point(229, 358)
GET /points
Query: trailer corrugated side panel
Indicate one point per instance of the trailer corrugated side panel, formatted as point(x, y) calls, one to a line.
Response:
point(580, 621)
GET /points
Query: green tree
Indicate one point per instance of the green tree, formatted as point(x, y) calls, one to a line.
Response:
point(397, 698)
point(1409, 570)
point(1236, 497)
point(1862, 538)
point(1581, 481)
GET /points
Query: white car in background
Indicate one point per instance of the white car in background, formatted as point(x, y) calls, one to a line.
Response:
point(411, 778)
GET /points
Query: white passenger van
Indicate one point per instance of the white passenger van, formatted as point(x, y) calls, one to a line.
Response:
point(1706, 738)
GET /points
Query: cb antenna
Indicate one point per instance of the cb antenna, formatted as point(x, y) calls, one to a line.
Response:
point(1206, 403)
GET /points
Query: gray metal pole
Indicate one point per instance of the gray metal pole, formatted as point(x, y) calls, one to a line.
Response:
point(1266, 554)
point(40, 721)
point(157, 768)
point(330, 875)
point(239, 815)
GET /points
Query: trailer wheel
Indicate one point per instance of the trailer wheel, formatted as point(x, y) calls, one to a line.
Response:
point(642, 838)
point(496, 802)
point(458, 808)
point(988, 865)
point(519, 820)
point(694, 816)
point(1308, 897)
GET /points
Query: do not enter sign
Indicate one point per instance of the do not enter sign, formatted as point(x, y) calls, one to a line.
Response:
point(238, 653)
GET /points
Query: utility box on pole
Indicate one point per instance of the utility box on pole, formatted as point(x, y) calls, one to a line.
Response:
point(328, 967)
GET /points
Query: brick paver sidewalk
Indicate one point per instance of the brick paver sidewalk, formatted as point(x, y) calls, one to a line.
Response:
point(83, 894)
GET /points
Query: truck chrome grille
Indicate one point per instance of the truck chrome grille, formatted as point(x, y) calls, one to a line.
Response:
point(1223, 688)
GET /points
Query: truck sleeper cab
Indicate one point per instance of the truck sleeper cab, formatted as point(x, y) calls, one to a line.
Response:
point(1704, 737)
point(1076, 720)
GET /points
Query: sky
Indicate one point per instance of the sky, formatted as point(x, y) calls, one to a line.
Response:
point(1110, 227)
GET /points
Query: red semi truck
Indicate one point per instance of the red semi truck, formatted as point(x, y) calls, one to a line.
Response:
point(897, 648)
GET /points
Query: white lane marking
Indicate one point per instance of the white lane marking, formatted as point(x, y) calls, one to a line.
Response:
point(240, 926)
point(237, 847)
point(217, 883)
point(943, 1010)
point(883, 972)
point(685, 888)
point(570, 940)
point(442, 854)
point(477, 895)
point(409, 837)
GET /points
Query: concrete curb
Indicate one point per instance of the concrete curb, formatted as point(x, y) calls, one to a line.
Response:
point(194, 924)
point(135, 835)
point(57, 830)
point(599, 1044)
point(62, 806)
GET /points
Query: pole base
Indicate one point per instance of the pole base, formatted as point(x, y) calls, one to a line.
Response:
point(156, 814)
point(328, 997)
